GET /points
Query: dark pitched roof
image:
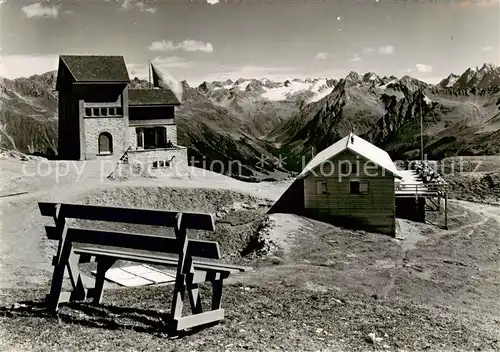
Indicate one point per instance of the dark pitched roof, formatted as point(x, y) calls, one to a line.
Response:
point(96, 68)
point(157, 96)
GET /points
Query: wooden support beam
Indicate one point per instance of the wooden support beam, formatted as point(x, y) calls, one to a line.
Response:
point(180, 282)
point(200, 276)
point(204, 318)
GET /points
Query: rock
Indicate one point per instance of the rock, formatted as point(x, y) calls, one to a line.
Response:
point(372, 338)
point(337, 301)
point(18, 305)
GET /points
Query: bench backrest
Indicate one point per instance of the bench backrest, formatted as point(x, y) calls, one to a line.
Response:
point(180, 221)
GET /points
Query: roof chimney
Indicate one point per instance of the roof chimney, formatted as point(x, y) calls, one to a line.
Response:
point(352, 139)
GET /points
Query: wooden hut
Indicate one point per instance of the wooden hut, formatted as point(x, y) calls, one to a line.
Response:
point(351, 184)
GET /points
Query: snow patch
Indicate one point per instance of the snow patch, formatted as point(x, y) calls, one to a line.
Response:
point(242, 86)
point(320, 95)
point(427, 100)
point(452, 81)
point(282, 93)
point(318, 87)
point(384, 86)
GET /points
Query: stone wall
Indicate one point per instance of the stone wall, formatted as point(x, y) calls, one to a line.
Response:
point(178, 165)
point(172, 134)
point(93, 127)
point(132, 137)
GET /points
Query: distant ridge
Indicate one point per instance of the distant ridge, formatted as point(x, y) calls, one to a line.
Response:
point(244, 119)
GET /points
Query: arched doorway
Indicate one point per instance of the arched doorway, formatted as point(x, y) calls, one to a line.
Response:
point(105, 143)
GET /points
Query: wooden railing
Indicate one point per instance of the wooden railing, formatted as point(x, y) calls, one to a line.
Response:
point(426, 172)
point(437, 188)
point(123, 160)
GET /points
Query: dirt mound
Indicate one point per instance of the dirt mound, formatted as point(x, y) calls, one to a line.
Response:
point(238, 216)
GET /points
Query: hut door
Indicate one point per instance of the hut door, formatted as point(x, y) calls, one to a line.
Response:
point(105, 143)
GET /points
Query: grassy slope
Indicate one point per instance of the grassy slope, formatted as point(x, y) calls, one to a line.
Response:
point(333, 288)
point(257, 318)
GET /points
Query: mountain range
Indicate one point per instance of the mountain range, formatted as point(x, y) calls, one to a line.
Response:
point(250, 118)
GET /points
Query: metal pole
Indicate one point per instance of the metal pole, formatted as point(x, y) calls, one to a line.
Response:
point(421, 127)
point(446, 210)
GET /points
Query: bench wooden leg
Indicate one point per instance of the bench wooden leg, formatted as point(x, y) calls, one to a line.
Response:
point(79, 290)
point(53, 298)
point(178, 299)
point(195, 298)
point(66, 260)
point(216, 293)
point(103, 264)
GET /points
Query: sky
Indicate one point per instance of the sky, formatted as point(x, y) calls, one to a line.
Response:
point(280, 39)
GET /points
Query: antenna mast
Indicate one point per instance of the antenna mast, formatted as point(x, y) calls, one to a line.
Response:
point(421, 126)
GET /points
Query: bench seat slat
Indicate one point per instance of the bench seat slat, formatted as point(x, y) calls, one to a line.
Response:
point(157, 259)
point(197, 248)
point(194, 221)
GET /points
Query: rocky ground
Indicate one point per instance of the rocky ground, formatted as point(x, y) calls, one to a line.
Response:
point(476, 179)
point(314, 286)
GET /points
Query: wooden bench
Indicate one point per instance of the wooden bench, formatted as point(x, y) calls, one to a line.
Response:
point(82, 245)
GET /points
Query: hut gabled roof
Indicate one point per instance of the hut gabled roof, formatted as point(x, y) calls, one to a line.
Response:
point(357, 145)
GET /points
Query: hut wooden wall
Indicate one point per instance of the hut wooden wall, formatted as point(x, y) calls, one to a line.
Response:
point(374, 211)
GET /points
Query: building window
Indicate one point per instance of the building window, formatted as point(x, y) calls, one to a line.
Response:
point(358, 187)
point(96, 111)
point(104, 111)
point(112, 112)
point(354, 187)
point(88, 112)
point(161, 164)
point(321, 187)
point(119, 111)
point(105, 143)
